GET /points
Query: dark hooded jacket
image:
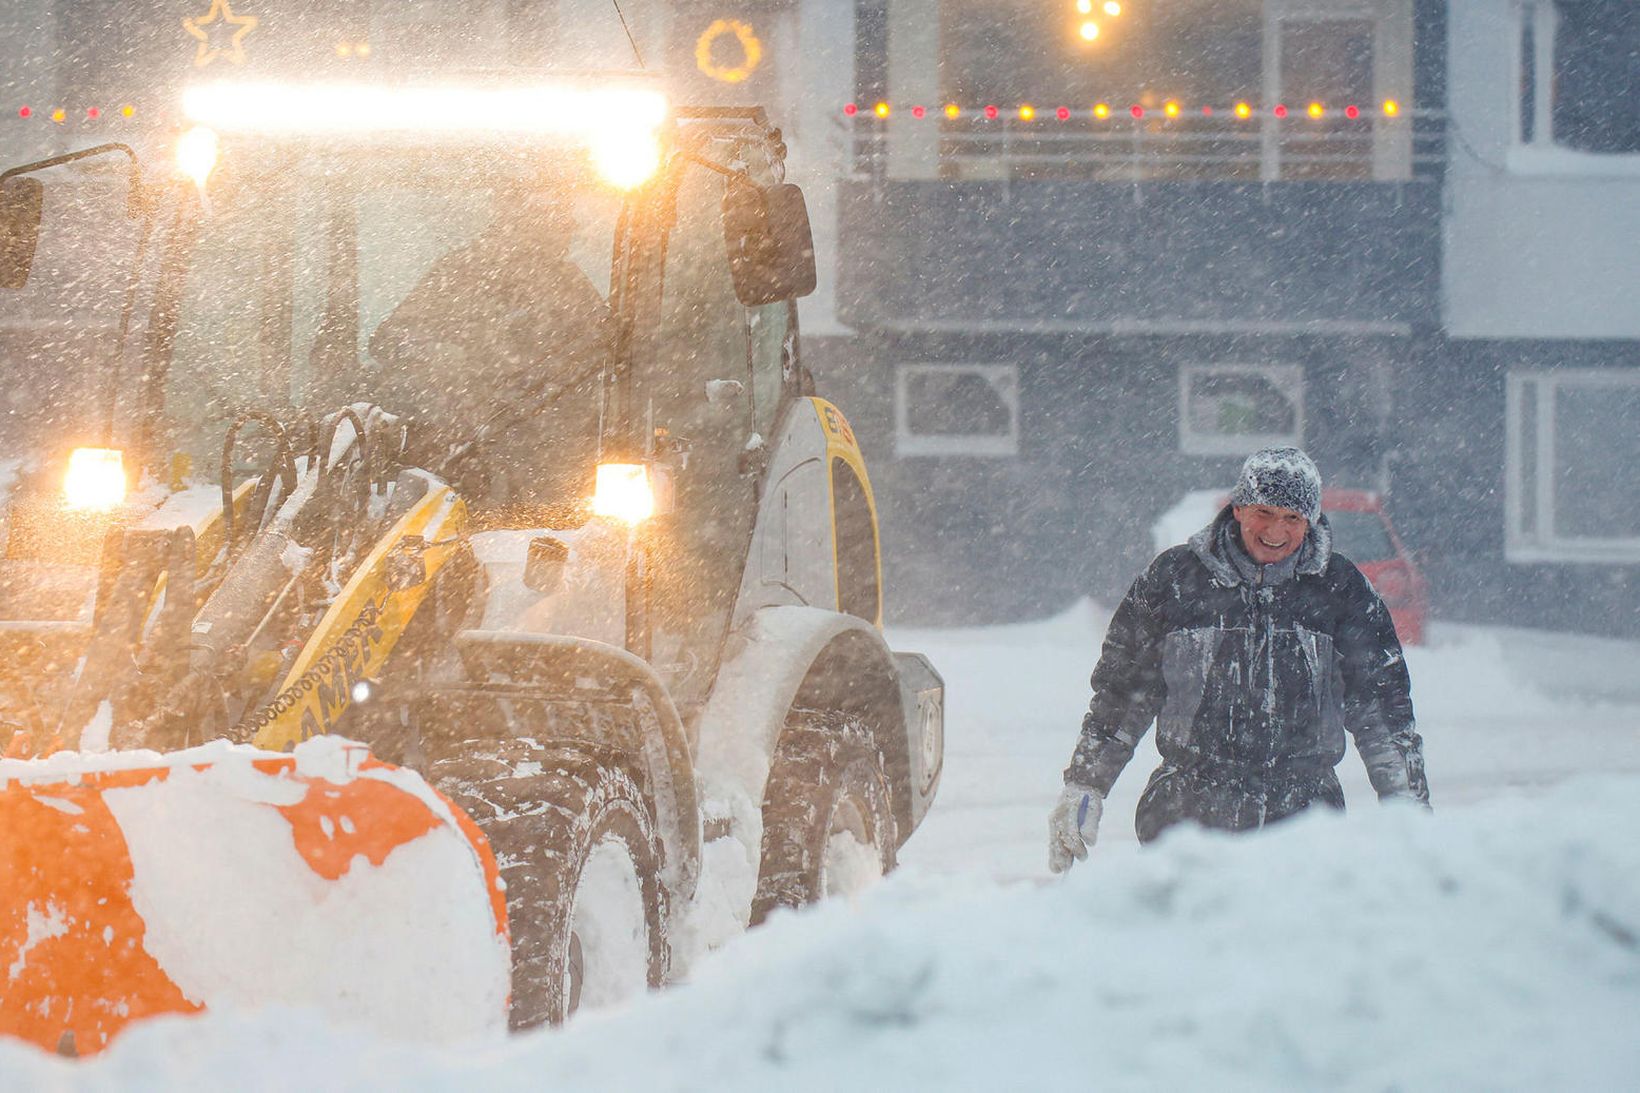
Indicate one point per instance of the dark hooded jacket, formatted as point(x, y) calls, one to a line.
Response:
point(1253, 674)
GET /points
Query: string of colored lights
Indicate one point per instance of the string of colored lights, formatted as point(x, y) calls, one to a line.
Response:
point(60, 114)
point(1242, 111)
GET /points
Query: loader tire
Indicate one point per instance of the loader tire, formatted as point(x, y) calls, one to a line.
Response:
point(828, 824)
point(574, 837)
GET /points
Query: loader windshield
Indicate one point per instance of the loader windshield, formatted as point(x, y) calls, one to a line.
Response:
point(454, 288)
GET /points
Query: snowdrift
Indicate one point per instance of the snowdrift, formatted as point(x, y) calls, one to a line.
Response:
point(1493, 947)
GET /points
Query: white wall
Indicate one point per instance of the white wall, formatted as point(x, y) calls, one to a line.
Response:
point(1540, 242)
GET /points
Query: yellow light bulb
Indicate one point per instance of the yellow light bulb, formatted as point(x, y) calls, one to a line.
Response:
point(881, 110)
point(1391, 108)
point(1171, 108)
point(1243, 110)
point(1027, 112)
point(952, 110)
point(1101, 110)
point(1316, 110)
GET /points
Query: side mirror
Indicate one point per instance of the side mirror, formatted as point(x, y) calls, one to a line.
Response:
point(21, 200)
point(771, 250)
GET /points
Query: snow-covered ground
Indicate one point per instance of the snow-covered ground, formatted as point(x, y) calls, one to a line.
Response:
point(1494, 945)
point(1503, 712)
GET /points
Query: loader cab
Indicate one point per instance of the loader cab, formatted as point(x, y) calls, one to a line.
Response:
point(459, 290)
point(712, 376)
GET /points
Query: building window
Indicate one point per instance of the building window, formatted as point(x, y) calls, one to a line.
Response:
point(1577, 75)
point(956, 409)
point(1236, 409)
point(1573, 492)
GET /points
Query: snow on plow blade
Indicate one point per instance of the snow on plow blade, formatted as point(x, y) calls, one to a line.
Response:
point(133, 885)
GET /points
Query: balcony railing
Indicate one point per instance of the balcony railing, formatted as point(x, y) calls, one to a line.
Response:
point(1125, 146)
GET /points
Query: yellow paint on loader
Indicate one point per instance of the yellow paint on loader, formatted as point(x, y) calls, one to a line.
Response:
point(841, 444)
point(319, 686)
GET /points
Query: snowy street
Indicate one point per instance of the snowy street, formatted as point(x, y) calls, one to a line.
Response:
point(564, 545)
point(1504, 713)
point(1491, 948)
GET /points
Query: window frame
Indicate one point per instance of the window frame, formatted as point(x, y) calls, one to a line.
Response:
point(1542, 543)
point(1538, 27)
point(1284, 376)
point(992, 446)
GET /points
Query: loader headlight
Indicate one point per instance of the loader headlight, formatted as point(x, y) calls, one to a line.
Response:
point(623, 491)
point(626, 160)
point(96, 479)
point(196, 154)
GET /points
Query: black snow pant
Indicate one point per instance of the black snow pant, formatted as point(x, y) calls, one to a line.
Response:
point(1231, 800)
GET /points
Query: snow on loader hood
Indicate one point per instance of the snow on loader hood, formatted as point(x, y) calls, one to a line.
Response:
point(137, 884)
point(1489, 948)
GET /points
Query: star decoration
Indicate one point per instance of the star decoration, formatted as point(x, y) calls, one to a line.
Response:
point(221, 33)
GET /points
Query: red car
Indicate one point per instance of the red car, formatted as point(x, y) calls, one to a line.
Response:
point(1362, 532)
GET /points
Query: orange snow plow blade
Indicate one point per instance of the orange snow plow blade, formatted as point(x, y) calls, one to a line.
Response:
point(138, 885)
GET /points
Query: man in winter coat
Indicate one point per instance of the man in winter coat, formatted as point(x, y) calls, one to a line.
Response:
point(1254, 648)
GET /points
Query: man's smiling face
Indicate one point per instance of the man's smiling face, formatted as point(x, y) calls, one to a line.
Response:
point(1270, 534)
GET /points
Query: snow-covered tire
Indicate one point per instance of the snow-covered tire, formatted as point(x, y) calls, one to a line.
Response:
point(828, 823)
point(566, 825)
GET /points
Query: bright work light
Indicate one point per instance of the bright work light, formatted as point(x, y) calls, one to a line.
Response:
point(196, 153)
point(626, 160)
point(558, 109)
point(96, 479)
point(623, 491)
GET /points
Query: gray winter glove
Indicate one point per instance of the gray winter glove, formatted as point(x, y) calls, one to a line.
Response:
point(1073, 826)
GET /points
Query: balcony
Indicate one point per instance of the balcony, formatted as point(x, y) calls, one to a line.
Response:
point(1143, 222)
point(1168, 142)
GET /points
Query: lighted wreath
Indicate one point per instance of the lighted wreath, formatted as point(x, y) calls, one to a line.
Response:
point(751, 51)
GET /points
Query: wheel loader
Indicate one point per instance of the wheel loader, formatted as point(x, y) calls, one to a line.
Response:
point(468, 423)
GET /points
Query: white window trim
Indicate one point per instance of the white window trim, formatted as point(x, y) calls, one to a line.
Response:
point(1003, 377)
point(1289, 378)
point(1543, 544)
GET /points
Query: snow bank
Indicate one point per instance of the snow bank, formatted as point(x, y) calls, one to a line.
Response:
point(1495, 947)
